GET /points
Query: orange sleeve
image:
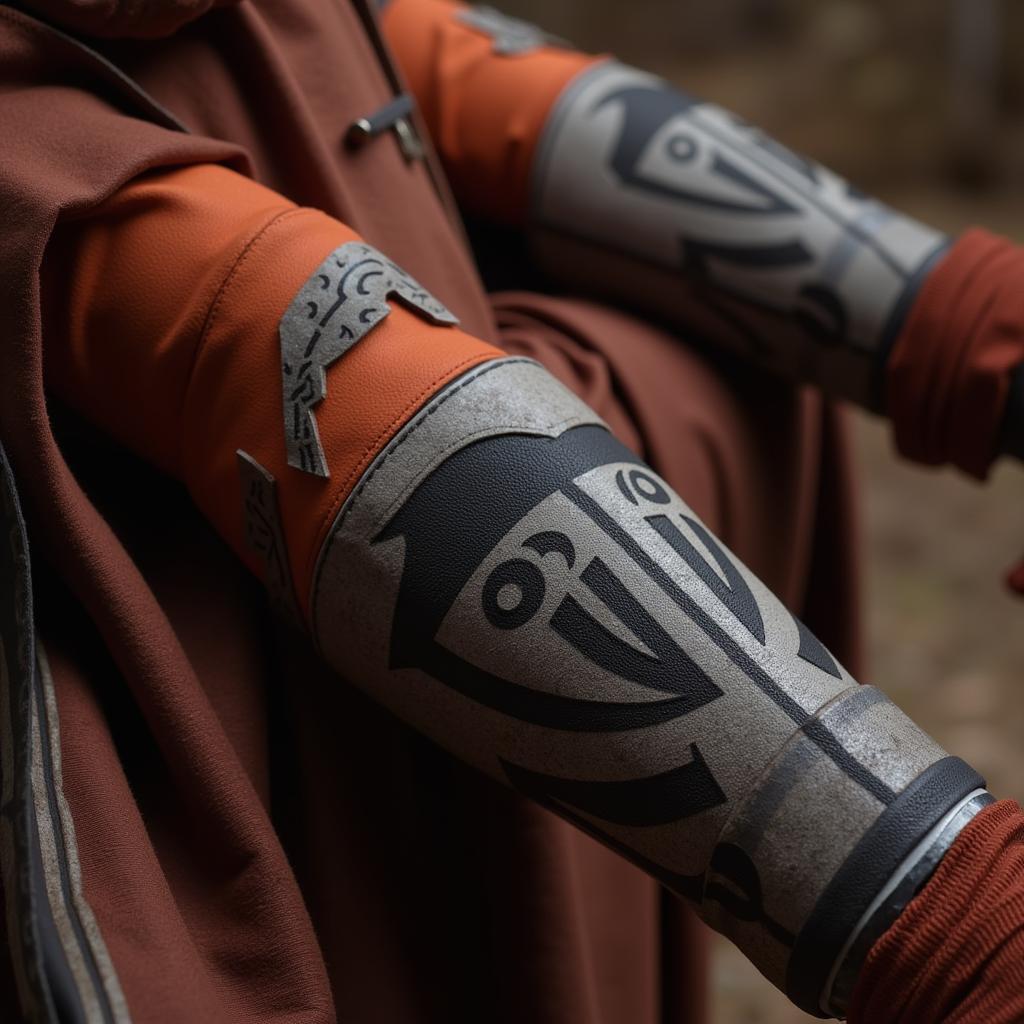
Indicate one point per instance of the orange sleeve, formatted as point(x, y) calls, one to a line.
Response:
point(166, 307)
point(485, 109)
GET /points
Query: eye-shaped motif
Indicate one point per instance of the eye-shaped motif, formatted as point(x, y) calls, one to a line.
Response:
point(680, 148)
point(513, 593)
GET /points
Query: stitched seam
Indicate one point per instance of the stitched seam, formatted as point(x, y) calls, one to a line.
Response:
point(397, 443)
point(372, 449)
point(242, 257)
point(215, 306)
point(418, 422)
point(490, 430)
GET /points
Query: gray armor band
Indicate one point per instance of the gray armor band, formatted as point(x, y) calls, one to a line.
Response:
point(905, 883)
point(515, 584)
point(675, 205)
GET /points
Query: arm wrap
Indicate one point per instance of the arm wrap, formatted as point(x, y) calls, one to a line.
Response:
point(466, 540)
point(633, 190)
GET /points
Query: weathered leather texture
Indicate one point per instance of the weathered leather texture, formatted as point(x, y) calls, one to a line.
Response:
point(512, 581)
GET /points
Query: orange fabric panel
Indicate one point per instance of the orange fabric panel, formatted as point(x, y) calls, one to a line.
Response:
point(485, 111)
point(168, 339)
point(956, 954)
point(129, 293)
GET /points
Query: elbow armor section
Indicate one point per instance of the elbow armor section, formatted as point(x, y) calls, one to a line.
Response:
point(676, 205)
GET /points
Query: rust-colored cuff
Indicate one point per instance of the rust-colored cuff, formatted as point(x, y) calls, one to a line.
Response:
point(956, 954)
point(949, 373)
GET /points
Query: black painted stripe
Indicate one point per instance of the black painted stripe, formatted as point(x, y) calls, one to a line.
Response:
point(864, 873)
point(817, 732)
point(650, 800)
point(551, 710)
point(898, 316)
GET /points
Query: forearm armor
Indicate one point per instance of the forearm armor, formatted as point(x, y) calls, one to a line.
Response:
point(516, 584)
point(677, 205)
point(630, 189)
point(465, 540)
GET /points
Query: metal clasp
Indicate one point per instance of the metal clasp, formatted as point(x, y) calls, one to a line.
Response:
point(395, 116)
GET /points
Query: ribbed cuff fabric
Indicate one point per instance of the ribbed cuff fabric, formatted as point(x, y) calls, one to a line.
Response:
point(948, 376)
point(956, 954)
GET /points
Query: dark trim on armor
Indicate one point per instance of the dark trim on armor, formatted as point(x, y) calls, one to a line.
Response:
point(813, 728)
point(867, 869)
point(896, 320)
point(837, 1001)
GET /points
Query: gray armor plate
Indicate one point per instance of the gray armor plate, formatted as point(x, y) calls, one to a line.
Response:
point(653, 196)
point(514, 583)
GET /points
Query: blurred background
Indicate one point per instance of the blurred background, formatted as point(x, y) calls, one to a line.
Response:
point(920, 102)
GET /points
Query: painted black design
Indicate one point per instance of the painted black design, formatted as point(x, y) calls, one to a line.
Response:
point(699, 257)
point(766, 226)
point(821, 314)
point(732, 879)
point(642, 484)
point(550, 541)
point(655, 800)
point(473, 500)
point(667, 668)
point(772, 689)
point(807, 169)
point(338, 306)
point(816, 307)
point(527, 583)
point(463, 512)
point(734, 882)
point(813, 650)
point(733, 592)
point(558, 548)
point(647, 109)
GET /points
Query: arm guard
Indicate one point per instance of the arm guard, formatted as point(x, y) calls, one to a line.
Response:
point(465, 540)
point(635, 190)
